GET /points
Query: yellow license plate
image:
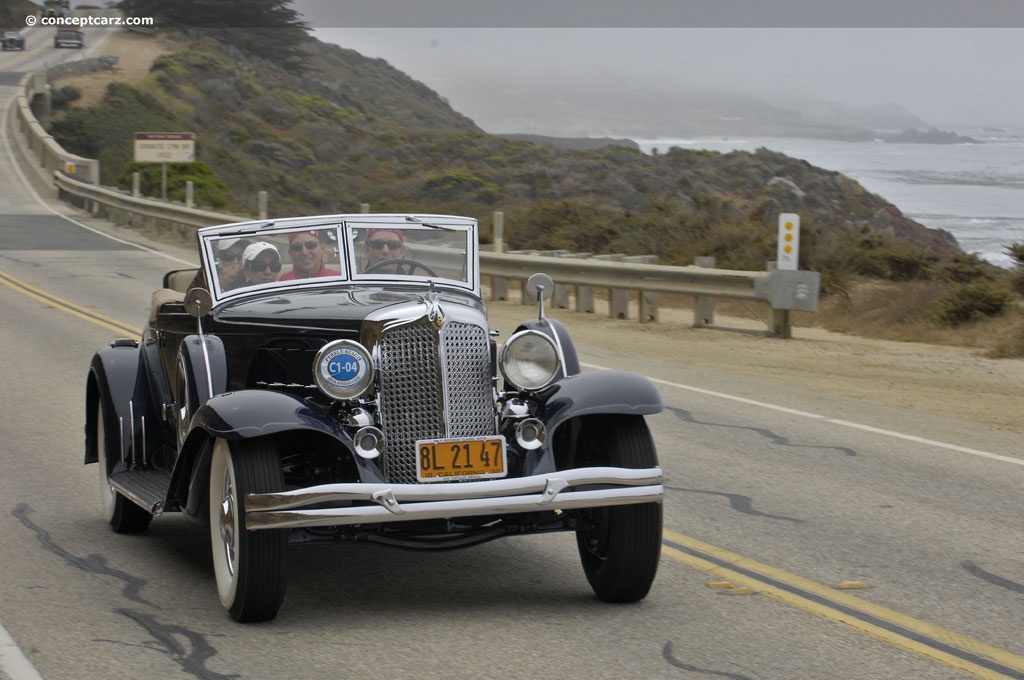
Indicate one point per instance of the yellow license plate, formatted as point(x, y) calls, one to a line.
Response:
point(441, 460)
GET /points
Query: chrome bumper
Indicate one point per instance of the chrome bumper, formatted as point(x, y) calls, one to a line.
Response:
point(374, 503)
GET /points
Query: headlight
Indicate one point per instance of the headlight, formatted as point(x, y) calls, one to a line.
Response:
point(529, 360)
point(343, 369)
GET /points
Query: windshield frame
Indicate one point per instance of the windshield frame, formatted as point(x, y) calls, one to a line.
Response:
point(449, 244)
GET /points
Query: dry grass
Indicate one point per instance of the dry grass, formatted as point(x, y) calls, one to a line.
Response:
point(901, 312)
point(886, 310)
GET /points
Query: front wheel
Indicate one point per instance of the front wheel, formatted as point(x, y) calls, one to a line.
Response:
point(249, 566)
point(620, 546)
point(123, 516)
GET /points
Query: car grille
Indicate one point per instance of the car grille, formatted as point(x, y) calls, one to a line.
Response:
point(421, 372)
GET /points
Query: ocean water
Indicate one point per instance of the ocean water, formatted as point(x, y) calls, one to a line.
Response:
point(973, 191)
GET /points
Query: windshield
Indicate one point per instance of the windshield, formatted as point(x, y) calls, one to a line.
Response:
point(247, 257)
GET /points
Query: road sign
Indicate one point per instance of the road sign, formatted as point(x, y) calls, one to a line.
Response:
point(165, 147)
point(788, 256)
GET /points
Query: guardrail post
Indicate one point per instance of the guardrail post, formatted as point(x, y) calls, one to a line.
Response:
point(648, 299)
point(585, 299)
point(704, 307)
point(190, 194)
point(364, 208)
point(136, 191)
point(618, 300)
point(499, 232)
point(778, 319)
point(499, 285)
point(263, 205)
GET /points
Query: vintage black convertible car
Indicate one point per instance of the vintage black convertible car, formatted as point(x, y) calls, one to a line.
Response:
point(334, 379)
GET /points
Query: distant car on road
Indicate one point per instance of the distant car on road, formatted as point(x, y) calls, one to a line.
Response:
point(349, 388)
point(69, 37)
point(13, 40)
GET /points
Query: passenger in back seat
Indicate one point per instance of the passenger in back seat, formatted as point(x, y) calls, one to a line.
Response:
point(229, 262)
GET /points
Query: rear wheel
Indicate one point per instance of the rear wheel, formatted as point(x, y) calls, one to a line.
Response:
point(249, 566)
point(620, 546)
point(124, 516)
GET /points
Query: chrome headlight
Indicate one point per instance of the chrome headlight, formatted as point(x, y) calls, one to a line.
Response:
point(529, 360)
point(343, 369)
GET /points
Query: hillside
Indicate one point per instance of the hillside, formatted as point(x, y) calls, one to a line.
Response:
point(352, 130)
point(349, 130)
point(13, 13)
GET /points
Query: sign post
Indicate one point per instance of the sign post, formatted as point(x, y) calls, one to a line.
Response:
point(164, 148)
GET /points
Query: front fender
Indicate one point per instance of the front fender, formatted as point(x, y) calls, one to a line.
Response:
point(243, 415)
point(256, 413)
point(113, 374)
point(598, 392)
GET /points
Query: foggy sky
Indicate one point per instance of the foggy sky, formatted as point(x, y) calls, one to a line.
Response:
point(951, 63)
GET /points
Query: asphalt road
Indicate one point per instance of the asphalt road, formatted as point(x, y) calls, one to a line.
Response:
point(796, 512)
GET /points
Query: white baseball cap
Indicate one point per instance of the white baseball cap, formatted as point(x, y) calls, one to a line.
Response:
point(252, 251)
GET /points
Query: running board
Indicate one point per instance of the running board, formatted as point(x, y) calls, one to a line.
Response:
point(145, 488)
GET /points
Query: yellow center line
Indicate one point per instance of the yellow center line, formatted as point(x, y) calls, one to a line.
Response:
point(68, 307)
point(899, 630)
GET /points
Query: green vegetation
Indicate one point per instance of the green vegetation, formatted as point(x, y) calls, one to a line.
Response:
point(344, 130)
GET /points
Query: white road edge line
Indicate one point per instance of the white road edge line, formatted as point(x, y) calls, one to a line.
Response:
point(828, 419)
point(13, 662)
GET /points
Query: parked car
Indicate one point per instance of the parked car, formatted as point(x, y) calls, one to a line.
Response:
point(69, 37)
point(369, 401)
point(13, 40)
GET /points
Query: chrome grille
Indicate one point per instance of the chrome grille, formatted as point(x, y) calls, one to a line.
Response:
point(468, 381)
point(414, 387)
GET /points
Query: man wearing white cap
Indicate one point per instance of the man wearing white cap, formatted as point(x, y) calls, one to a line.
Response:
point(261, 263)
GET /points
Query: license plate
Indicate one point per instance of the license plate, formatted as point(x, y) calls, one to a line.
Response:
point(445, 460)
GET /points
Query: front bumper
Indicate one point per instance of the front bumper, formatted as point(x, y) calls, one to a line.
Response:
point(376, 503)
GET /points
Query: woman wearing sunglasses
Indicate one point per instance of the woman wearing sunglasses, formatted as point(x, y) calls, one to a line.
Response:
point(261, 263)
point(307, 252)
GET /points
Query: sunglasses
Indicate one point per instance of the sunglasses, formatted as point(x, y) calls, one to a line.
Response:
point(263, 266)
point(227, 257)
point(378, 244)
point(297, 246)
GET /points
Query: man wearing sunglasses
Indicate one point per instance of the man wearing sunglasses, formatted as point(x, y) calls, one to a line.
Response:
point(261, 263)
point(307, 252)
point(383, 244)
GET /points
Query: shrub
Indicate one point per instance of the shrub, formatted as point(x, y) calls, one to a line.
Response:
point(1016, 251)
point(61, 97)
point(971, 302)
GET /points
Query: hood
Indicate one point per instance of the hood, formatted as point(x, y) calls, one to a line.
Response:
point(324, 309)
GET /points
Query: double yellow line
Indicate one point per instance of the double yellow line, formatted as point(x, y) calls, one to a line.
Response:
point(957, 651)
point(122, 329)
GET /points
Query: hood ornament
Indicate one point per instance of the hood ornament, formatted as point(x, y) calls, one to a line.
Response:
point(434, 311)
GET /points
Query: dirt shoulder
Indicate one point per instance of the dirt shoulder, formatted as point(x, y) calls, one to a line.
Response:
point(952, 382)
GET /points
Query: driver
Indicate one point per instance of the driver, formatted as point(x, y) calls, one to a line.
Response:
point(383, 244)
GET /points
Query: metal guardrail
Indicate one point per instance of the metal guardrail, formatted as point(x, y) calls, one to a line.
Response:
point(780, 290)
point(647, 280)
